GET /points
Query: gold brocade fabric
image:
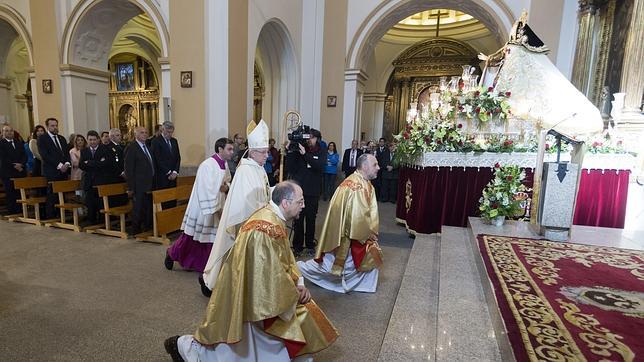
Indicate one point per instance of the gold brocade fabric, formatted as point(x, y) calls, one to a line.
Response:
point(352, 215)
point(257, 282)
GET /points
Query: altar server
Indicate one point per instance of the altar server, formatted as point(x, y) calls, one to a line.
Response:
point(192, 248)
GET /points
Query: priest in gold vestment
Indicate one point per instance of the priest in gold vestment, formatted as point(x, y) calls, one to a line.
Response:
point(260, 309)
point(348, 256)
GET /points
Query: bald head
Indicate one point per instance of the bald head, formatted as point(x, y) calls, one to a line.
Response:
point(141, 134)
point(367, 165)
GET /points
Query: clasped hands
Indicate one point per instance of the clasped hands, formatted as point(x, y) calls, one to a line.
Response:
point(304, 294)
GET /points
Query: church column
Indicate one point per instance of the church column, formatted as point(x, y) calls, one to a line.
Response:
point(584, 50)
point(155, 119)
point(354, 80)
point(632, 82)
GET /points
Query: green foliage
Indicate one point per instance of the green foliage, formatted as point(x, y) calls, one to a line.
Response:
point(500, 195)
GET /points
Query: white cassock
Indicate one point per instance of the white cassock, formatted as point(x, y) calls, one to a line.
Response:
point(255, 346)
point(351, 280)
point(206, 201)
point(248, 193)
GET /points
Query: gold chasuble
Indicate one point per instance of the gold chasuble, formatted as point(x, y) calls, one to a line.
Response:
point(257, 283)
point(352, 225)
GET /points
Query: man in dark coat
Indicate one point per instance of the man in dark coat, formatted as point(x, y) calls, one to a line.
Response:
point(306, 165)
point(383, 156)
point(13, 159)
point(389, 189)
point(139, 169)
point(98, 164)
point(55, 162)
point(350, 158)
point(167, 160)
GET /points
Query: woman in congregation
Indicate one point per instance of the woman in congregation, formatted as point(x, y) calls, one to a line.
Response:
point(330, 171)
point(33, 147)
point(75, 155)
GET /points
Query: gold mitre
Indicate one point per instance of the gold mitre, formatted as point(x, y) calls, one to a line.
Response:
point(257, 135)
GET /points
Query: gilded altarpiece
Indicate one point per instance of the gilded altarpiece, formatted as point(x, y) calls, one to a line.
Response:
point(416, 74)
point(134, 95)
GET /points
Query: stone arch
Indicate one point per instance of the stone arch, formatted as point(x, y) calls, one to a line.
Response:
point(93, 25)
point(494, 14)
point(276, 58)
point(17, 22)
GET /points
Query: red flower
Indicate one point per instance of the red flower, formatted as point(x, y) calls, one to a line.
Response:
point(489, 113)
point(406, 135)
point(460, 143)
point(439, 142)
point(428, 139)
point(495, 205)
point(507, 94)
point(461, 84)
point(490, 89)
point(509, 178)
point(460, 125)
point(409, 127)
point(477, 110)
point(595, 144)
point(497, 165)
point(477, 93)
point(547, 146)
point(497, 110)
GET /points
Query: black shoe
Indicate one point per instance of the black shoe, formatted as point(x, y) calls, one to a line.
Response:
point(168, 262)
point(309, 252)
point(171, 347)
point(204, 289)
point(298, 253)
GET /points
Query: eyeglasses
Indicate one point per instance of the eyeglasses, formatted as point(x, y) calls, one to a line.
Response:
point(300, 201)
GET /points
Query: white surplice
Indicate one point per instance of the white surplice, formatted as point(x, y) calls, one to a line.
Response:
point(248, 193)
point(206, 201)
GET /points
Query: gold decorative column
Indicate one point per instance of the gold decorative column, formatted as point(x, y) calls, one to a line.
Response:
point(632, 82)
point(584, 50)
point(403, 105)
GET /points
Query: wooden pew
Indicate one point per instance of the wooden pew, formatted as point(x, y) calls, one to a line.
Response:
point(105, 191)
point(168, 220)
point(186, 180)
point(62, 188)
point(26, 185)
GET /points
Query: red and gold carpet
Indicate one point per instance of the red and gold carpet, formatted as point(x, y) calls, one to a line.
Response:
point(567, 302)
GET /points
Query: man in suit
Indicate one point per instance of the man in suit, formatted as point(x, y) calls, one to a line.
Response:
point(13, 159)
point(388, 192)
point(98, 163)
point(167, 160)
point(117, 150)
point(55, 161)
point(383, 157)
point(139, 168)
point(350, 158)
point(118, 172)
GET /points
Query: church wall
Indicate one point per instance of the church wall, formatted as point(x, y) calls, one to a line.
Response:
point(188, 104)
point(289, 14)
point(87, 108)
point(333, 68)
point(46, 61)
point(545, 17)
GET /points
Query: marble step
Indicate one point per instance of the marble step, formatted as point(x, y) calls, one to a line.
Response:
point(440, 313)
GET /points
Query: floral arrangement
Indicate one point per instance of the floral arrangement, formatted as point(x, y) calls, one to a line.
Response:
point(420, 136)
point(500, 196)
point(604, 143)
point(485, 105)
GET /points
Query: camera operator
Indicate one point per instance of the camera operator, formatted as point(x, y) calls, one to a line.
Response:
point(305, 165)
